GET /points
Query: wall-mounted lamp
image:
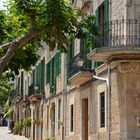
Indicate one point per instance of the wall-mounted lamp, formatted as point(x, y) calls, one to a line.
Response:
point(36, 87)
point(80, 63)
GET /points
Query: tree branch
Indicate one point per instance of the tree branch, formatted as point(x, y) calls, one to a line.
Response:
point(16, 44)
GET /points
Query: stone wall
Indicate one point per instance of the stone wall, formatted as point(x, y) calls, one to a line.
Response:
point(129, 77)
point(73, 98)
point(133, 9)
point(117, 9)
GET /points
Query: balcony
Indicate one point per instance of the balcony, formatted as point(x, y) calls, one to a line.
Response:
point(117, 40)
point(79, 71)
point(33, 93)
point(15, 97)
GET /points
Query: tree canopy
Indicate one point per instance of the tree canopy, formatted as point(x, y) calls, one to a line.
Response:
point(5, 89)
point(28, 22)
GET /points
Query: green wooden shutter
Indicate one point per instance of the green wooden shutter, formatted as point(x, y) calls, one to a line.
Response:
point(81, 44)
point(59, 63)
point(96, 63)
point(51, 76)
point(42, 74)
point(45, 73)
point(106, 11)
point(97, 16)
point(33, 76)
point(56, 63)
point(88, 62)
point(36, 75)
point(39, 76)
point(48, 72)
point(22, 82)
point(72, 47)
point(59, 112)
point(68, 52)
point(55, 71)
point(18, 84)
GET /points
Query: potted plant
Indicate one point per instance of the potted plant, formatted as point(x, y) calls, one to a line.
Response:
point(18, 128)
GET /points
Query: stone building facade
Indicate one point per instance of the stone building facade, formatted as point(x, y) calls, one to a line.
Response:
point(100, 100)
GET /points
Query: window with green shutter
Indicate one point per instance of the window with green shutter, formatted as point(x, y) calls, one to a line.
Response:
point(102, 14)
point(52, 76)
point(71, 48)
point(106, 10)
point(88, 62)
point(82, 42)
point(59, 63)
point(56, 64)
point(102, 18)
point(38, 78)
point(42, 74)
point(97, 16)
point(33, 77)
point(18, 84)
point(59, 112)
point(53, 69)
point(70, 53)
point(22, 82)
point(48, 72)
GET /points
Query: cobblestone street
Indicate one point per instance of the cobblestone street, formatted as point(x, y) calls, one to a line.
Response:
point(5, 135)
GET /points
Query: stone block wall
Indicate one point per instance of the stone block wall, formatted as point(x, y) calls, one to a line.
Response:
point(117, 9)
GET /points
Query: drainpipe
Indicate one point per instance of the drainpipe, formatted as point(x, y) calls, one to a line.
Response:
point(64, 99)
point(108, 83)
point(109, 80)
point(109, 102)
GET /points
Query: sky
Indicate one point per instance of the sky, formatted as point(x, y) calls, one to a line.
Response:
point(1, 4)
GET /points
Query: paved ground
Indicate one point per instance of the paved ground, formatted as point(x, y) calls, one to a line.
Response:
point(5, 135)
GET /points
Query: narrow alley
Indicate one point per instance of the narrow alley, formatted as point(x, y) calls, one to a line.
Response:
point(6, 135)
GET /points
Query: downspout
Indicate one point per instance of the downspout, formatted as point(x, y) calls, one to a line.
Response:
point(109, 79)
point(64, 99)
point(109, 101)
point(108, 83)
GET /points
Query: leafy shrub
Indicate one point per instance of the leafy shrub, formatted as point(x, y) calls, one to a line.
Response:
point(26, 122)
point(18, 127)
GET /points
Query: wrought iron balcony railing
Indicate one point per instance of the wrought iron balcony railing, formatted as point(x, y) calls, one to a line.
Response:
point(16, 95)
point(79, 63)
point(31, 90)
point(124, 33)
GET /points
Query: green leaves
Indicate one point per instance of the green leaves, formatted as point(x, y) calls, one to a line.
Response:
point(5, 89)
point(25, 58)
point(55, 16)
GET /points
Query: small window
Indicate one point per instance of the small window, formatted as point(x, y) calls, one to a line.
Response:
point(71, 118)
point(48, 117)
point(59, 112)
point(102, 109)
point(22, 82)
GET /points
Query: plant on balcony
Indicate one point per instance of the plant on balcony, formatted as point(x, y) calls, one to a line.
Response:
point(26, 121)
point(88, 30)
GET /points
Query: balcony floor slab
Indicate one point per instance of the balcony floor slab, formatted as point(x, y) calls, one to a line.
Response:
point(81, 78)
point(103, 54)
